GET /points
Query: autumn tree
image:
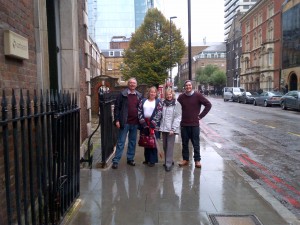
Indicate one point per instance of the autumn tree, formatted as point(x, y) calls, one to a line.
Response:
point(149, 56)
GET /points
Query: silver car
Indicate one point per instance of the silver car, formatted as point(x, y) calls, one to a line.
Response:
point(268, 98)
point(291, 100)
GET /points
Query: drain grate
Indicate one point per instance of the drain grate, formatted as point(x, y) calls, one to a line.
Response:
point(233, 219)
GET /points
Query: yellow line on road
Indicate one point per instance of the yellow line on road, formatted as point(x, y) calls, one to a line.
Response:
point(294, 134)
point(252, 121)
point(270, 126)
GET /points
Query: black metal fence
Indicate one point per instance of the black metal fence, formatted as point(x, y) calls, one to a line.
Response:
point(108, 130)
point(39, 153)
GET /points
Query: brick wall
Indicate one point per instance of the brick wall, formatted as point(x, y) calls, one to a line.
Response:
point(14, 73)
point(17, 74)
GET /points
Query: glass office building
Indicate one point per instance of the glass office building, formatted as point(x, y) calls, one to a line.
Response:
point(116, 18)
point(231, 7)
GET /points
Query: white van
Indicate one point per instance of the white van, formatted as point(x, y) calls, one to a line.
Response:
point(232, 93)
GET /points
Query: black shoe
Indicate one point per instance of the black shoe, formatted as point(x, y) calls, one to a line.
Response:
point(131, 162)
point(151, 164)
point(115, 166)
point(168, 168)
point(145, 162)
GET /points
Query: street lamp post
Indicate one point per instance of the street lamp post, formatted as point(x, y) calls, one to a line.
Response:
point(189, 40)
point(172, 17)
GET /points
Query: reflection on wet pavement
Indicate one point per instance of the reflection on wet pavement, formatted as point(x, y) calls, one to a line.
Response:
point(144, 195)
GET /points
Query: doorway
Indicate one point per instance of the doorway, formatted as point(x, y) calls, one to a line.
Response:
point(293, 82)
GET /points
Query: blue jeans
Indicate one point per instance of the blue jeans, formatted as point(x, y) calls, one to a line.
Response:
point(192, 133)
point(131, 129)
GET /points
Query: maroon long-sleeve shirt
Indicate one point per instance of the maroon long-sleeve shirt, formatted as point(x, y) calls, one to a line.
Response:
point(191, 107)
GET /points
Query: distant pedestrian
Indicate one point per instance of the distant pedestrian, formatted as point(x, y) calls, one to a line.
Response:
point(191, 103)
point(149, 114)
point(126, 120)
point(286, 88)
point(170, 126)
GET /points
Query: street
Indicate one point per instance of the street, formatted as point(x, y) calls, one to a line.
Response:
point(264, 142)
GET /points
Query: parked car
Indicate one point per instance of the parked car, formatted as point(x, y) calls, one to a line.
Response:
point(232, 93)
point(268, 98)
point(247, 97)
point(291, 100)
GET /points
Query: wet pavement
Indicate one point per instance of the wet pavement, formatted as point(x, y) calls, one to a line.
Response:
point(143, 195)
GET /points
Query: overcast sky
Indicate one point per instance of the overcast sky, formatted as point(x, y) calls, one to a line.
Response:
point(207, 18)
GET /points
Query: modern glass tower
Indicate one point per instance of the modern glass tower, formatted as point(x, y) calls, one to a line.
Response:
point(231, 7)
point(116, 18)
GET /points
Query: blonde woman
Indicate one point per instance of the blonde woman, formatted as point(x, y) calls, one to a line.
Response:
point(149, 113)
point(170, 126)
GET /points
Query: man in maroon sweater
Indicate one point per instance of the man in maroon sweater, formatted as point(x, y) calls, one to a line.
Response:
point(191, 102)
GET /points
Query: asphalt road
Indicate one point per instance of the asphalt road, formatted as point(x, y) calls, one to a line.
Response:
point(263, 141)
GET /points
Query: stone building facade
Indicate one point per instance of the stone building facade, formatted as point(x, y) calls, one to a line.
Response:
point(53, 53)
point(261, 46)
point(208, 54)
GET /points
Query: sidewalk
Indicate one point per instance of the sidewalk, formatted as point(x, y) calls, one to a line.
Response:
point(217, 194)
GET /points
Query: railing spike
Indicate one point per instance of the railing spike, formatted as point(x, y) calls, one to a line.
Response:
point(13, 104)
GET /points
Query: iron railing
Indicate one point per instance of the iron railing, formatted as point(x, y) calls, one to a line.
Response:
point(39, 148)
point(109, 132)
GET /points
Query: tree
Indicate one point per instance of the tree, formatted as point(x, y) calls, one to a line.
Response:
point(211, 75)
point(148, 57)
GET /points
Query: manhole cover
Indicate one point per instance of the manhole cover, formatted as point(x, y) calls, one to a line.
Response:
point(225, 219)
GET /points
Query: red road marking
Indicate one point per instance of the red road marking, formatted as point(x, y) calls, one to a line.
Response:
point(246, 160)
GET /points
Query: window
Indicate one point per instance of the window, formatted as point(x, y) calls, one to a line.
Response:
point(255, 40)
point(247, 65)
point(270, 57)
point(121, 53)
point(254, 59)
point(109, 66)
point(247, 26)
point(269, 83)
point(260, 36)
point(270, 31)
point(270, 10)
point(247, 43)
point(111, 53)
point(255, 21)
point(260, 18)
point(121, 66)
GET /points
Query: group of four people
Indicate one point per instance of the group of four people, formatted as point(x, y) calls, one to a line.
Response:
point(170, 117)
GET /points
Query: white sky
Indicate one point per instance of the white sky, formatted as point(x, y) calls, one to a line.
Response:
point(207, 18)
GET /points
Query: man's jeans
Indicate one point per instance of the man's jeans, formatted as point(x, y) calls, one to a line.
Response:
point(131, 129)
point(192, 133)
